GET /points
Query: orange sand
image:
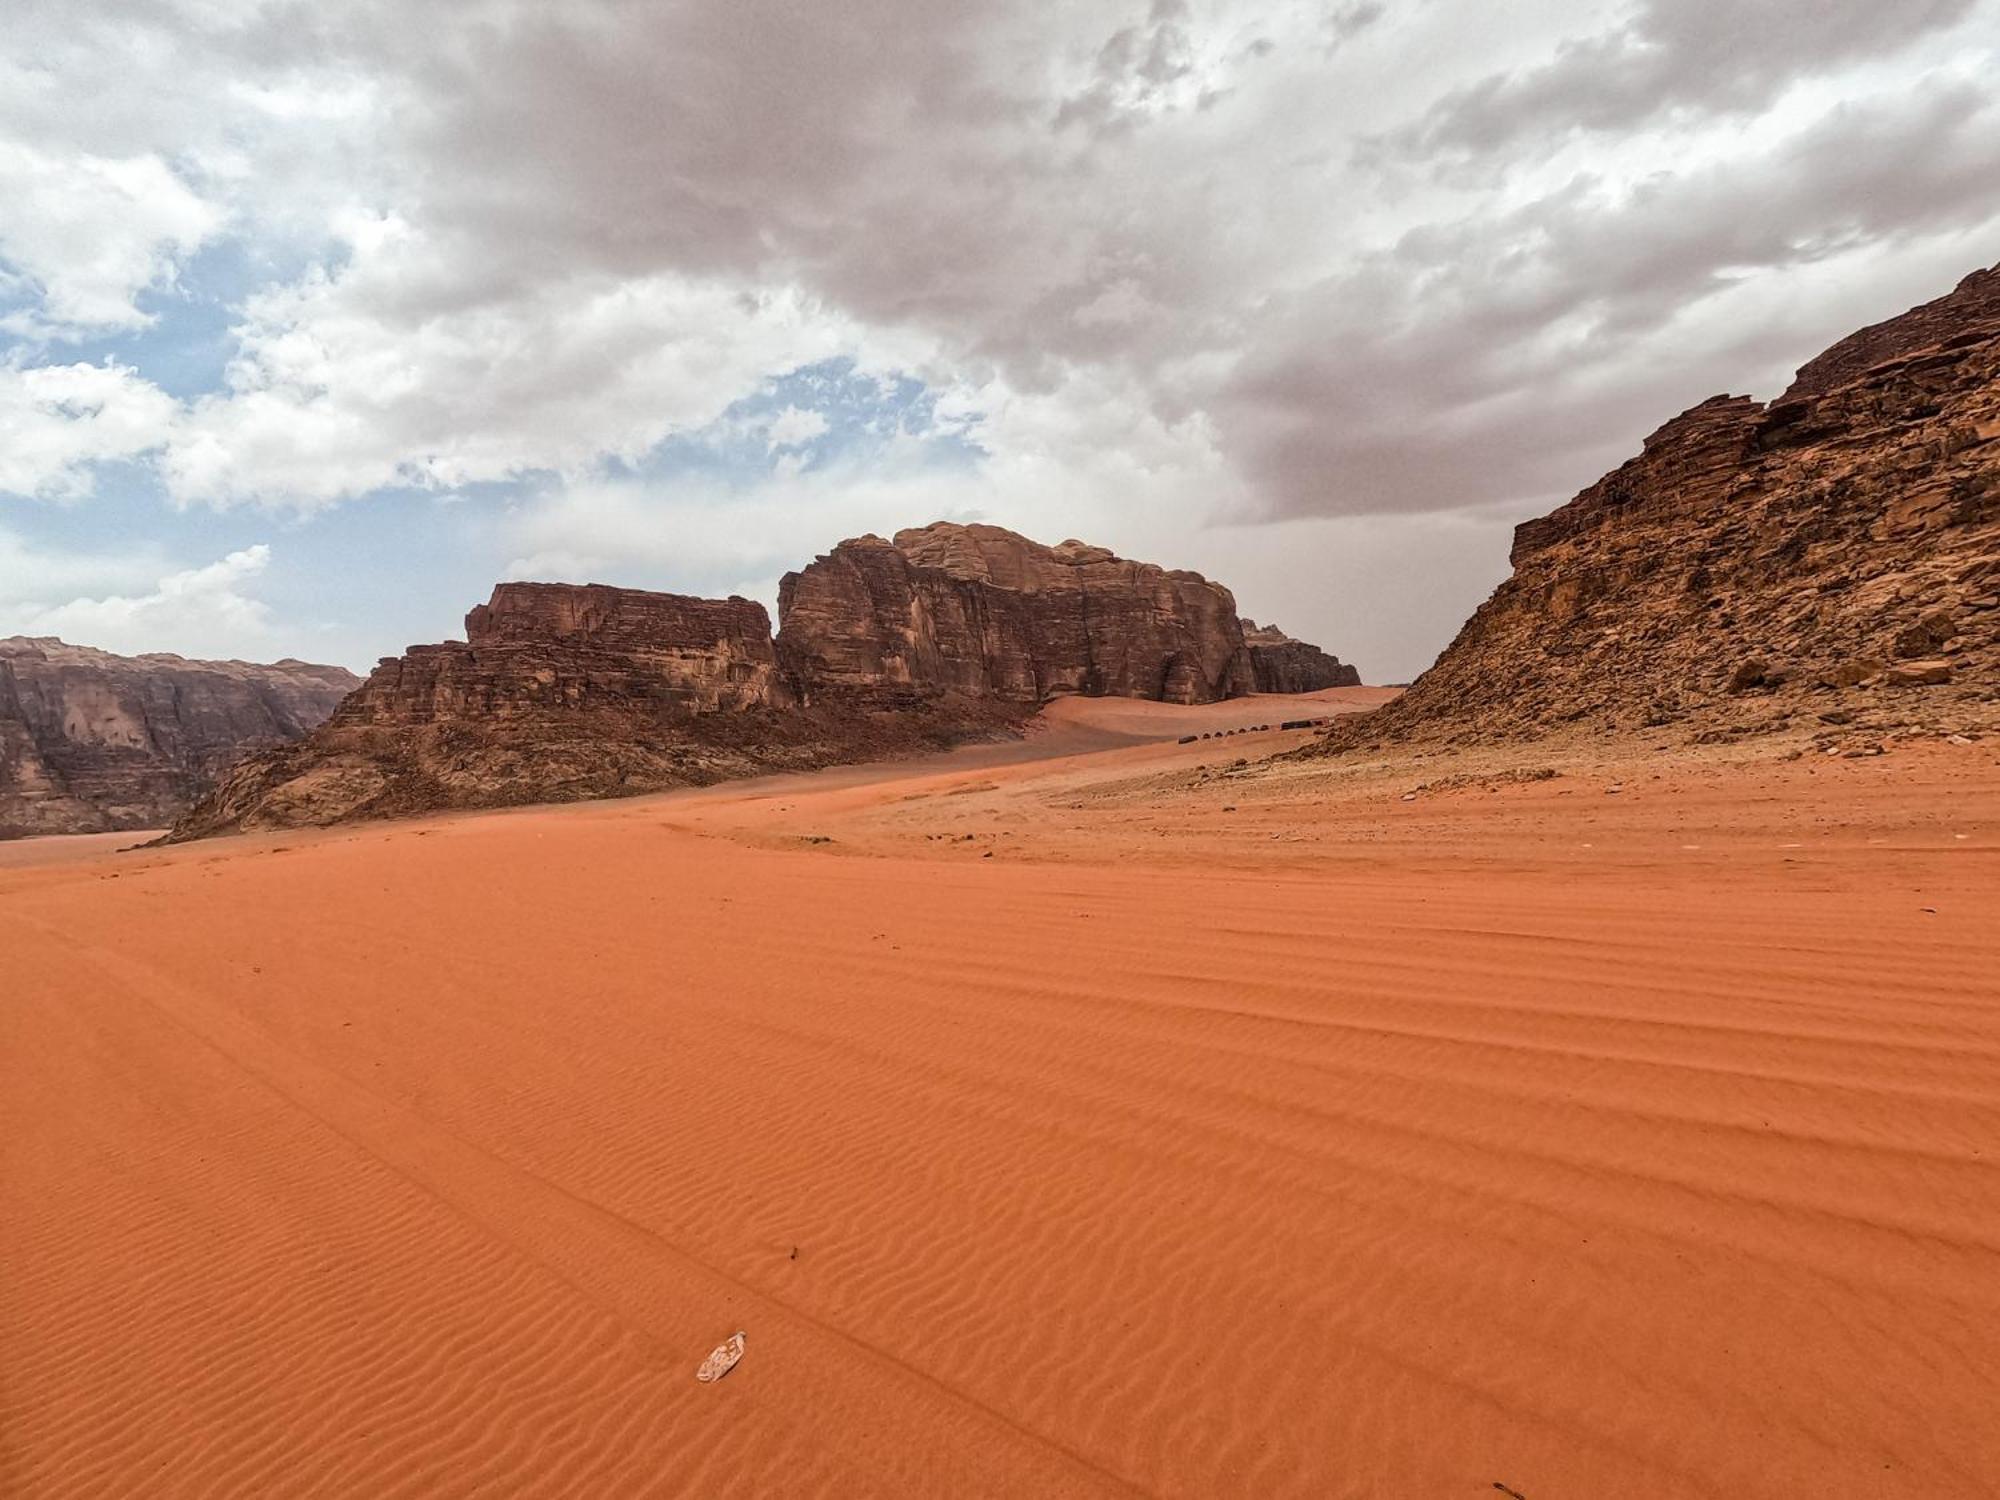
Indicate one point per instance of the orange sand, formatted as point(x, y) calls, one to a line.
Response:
point(1222, 1133)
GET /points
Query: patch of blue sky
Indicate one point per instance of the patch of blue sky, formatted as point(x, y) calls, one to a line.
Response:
point(401, 565)
point(186, 345)
point(20, 300)
point(377, 574)
point(349, 583)
point(850, 416)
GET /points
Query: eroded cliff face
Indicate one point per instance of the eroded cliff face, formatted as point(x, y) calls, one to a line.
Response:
point(982, 612)
point(565, 692)
point(1832, 559)
point(91, 742)
point(1279, 664)
point(534, 648)
point(562, 692)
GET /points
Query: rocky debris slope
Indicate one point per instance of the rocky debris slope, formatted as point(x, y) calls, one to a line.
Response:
point(563, 692)
point(982, 612)
point(1279, 664)
point(91, 742)
point(1829, 563)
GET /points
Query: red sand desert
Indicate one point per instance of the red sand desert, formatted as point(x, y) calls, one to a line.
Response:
point(1115, 1121)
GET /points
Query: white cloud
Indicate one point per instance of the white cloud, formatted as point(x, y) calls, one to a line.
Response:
point(31, 571)
point(87, 234)
point(1171, 205)
point(386, 372)
point(1292, 262)
point(793, 428)
point(1306, 574)
point(709, 540)
point(58, 421)
point(1066, 463)
point(201, 612)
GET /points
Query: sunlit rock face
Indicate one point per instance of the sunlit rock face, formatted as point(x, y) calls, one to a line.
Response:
point(566, 692)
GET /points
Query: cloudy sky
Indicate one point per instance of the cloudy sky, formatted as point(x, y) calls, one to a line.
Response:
point(317, 319)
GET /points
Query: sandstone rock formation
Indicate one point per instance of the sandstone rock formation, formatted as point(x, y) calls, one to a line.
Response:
point(1974, 301)
point(980, 611)
point(1279, 664)
point(561, 692)
point(1832, 558)
point(565, 692)
point(91, 742)
point(539, 646)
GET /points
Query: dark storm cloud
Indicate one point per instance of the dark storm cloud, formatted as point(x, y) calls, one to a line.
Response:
point(1135, 66)
point(1432, 264)
point(1157, 203)
point(929, 166)
point(1695, 56)
point(1502, 357)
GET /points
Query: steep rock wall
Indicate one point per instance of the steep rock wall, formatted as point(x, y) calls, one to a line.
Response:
point(93, 742)
point(979, 611)
point(1832, 558)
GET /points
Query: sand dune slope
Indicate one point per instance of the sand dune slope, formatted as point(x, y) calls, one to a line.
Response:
point(431, 1159)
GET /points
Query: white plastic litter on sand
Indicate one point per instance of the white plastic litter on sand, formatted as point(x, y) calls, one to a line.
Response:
point(721, 1359)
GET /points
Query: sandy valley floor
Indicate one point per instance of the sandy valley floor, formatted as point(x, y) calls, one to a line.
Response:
point(1119, 1121)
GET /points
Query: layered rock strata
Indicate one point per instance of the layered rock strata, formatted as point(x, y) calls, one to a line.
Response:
point(1832, 558)
point(564, 693)
point(91, 742)
point(535, 648)
point(979, 611)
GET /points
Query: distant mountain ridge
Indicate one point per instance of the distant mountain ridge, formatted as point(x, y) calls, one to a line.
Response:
point(95, 742)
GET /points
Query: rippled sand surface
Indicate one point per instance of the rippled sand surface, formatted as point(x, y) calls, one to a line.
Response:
point(1118, 1121)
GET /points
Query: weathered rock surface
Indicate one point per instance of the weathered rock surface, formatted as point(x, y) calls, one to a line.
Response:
point(983, 612)
point(537, 647)
point(1757, 567)
point(563, 692)
point(1279, 664)
point(1973, 301)
point(91, 742)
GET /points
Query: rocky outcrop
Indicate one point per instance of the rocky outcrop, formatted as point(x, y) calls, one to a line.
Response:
point(1973, 301)
point(536, 648)
point(1279, 664)
point(1832, 558)
point(91, 742)
point(705, 655)
point(982, 612)
point(561, 692)
point(564, 692)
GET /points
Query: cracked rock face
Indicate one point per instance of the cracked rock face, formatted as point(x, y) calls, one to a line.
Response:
point(93, 743)
point(979, 611)
point(1835, 553)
